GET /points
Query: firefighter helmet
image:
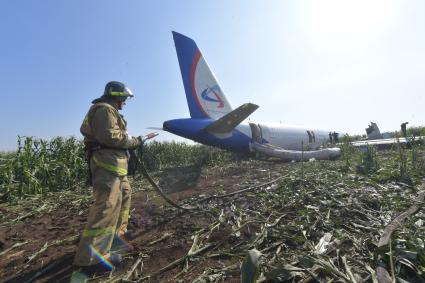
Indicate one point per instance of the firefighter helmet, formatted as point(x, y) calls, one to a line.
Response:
point(117, 91)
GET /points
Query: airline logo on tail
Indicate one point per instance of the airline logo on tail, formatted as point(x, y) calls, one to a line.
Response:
point(213, 91)
point(203, 93)
point(206, 90)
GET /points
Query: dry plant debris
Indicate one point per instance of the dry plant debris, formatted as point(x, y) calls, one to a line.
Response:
point(298, 222)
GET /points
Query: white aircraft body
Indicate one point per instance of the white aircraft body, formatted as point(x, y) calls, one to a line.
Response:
point(214, 122)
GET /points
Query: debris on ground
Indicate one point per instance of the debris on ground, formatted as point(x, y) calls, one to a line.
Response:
point(281, 222)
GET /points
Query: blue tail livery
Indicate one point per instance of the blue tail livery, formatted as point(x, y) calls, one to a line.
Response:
point(203, 93)
point(213, 121)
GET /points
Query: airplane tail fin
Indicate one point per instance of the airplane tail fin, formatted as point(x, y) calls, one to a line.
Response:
point(203, 93)
point(373, 132)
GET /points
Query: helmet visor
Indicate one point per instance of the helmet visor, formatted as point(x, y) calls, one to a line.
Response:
point(128, 91)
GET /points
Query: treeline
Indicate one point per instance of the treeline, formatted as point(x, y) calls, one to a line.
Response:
point(39, 166)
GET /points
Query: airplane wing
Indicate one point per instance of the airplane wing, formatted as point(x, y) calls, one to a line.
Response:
point(229, 121)
point(385, 143)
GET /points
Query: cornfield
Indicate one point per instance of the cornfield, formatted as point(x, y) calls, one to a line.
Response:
point(324, 221)
point(160, 155)
point(40, 166)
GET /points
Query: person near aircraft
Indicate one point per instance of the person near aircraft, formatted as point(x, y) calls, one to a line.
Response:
point(403, 127)
point(107, 143)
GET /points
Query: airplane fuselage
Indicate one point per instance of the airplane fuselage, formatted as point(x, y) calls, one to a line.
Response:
point(239, 139)
point(214, 122)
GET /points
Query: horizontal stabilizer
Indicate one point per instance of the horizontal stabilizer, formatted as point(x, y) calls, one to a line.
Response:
point(155, 128)
point(229, 121)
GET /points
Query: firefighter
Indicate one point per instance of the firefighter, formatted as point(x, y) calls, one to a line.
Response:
point(107, 143)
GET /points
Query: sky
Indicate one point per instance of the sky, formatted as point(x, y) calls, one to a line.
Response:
point(327, 64)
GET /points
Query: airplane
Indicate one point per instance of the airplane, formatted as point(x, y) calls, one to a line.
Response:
point(214, 122)
point(385, 140)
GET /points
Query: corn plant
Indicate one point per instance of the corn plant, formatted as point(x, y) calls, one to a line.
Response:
point(369, 162)
point(348, 151)
point(160, 155)
point(40, 166)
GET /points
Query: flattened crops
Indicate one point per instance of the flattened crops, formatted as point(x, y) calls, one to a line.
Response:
point(359, 219)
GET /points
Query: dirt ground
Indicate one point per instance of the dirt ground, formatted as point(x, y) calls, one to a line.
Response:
point(313, 221)
point(38, 241)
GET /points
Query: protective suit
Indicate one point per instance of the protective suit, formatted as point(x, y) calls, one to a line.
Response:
point(107, 141)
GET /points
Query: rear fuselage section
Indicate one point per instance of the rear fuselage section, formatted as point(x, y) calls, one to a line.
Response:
point(239, 139)
point(191, 128)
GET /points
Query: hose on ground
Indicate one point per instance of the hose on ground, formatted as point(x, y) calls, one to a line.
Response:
point(142, 169)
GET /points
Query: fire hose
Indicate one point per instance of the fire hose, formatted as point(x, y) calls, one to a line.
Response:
point(142, 169)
